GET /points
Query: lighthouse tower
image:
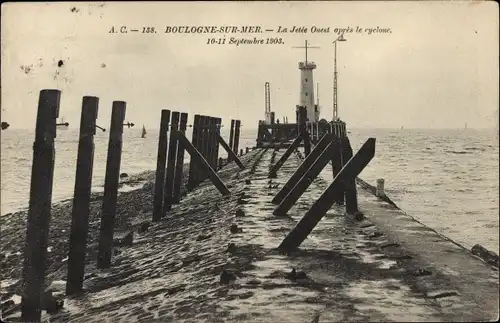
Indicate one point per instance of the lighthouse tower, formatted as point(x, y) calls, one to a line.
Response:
point(307, 87)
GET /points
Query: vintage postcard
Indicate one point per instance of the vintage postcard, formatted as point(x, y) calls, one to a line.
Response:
point(249, 161)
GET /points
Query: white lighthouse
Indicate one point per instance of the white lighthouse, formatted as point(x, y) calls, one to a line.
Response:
point(307, 87)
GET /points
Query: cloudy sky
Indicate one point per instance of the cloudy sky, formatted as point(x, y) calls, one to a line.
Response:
point(438, 66)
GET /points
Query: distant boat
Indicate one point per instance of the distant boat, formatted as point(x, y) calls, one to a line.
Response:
point(61, 126)
point(465, 127)
point(401, 127)
point(143, 134)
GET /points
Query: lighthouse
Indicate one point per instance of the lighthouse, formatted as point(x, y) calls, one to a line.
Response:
point(307, 87)
point(293, 135)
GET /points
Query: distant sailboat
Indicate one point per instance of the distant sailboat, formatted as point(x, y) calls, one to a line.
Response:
point(465, 127)
point(143, 134)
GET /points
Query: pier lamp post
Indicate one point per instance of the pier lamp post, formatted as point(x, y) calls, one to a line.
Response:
point(335, 91)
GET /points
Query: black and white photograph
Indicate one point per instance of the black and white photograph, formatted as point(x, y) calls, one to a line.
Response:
point(249, 161)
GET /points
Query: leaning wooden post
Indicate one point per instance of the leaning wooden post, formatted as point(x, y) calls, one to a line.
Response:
point(295, 144)
point(236, 143)
point(200, 161)
point(39, 212)
point(179, 166)
point(193, 172)
point(81, 200)
point(110, 195)
point(171, 160)
point(306, 180)
point(231, 139)
point(306, 164)
point(318, 210)
point(231, 153)
point(161, 162)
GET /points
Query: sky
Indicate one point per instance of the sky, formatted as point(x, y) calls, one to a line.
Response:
point(436, 68)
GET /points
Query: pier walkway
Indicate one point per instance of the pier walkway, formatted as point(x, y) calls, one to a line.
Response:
point(214, 259)
point(386, 268)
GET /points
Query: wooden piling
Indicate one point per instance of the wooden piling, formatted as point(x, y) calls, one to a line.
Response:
point(337, 164)
point(306, 180)
point(212, 142)
point(318, 210)
point(161, 162)
point(351, 196)
point(304, 166)
point(171, 160)
point(204, 136)
point(218, 123)
point(193, 171)
point(303, 129)
point(236, 143)
point(201, 162)
point(231, 139)
point(110, 195)
point(81, 199)
point(179, 166)
point(208, 144)
point(204, 146)
point(39, 211)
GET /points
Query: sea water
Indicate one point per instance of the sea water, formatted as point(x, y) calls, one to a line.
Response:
point(447, 179)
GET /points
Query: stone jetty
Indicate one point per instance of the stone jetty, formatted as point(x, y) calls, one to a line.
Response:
point(214, 258)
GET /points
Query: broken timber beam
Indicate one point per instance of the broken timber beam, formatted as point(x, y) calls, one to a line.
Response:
point(198, 159)
point(231, 153)
point(318, 210)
